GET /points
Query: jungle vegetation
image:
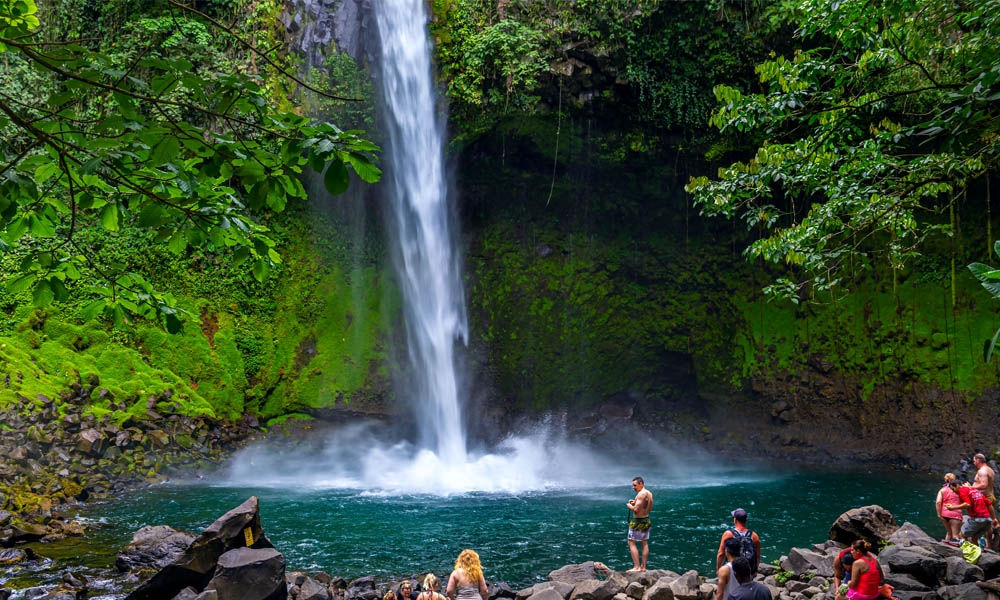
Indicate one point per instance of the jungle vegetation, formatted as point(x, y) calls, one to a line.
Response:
point(155, 161)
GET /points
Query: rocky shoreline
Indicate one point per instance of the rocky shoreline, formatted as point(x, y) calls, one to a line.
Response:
point(55, 453)
point(234, 560)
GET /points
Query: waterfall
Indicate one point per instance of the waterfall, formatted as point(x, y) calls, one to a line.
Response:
point(427, 261)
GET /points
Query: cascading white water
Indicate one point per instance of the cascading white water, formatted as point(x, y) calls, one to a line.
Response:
point(428, 262)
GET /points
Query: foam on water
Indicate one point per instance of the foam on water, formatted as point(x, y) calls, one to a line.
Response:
point(365, 457)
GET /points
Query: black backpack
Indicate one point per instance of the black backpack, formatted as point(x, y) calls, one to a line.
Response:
point(747, 549)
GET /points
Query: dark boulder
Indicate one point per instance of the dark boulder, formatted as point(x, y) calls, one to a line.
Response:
point(152, 548)
point(574, 574)
point(250, 574)
point(965, 591)
point(872, 523)
point(926, 566)
point(310, 589)
point(238, 528)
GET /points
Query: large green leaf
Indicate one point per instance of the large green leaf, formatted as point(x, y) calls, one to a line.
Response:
point(336, 179)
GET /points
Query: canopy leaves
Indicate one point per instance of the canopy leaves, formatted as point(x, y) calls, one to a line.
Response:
point(862, 136)
point(194, 156)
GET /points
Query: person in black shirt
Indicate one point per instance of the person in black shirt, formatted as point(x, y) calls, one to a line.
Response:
point(748, 589)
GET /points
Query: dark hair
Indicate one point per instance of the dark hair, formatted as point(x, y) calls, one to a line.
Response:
point(731, 546)
point(741, 569)
point(847, 560)
point(639, 479)
point(861, 546)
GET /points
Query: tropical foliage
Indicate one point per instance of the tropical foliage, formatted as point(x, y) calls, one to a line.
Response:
point(990, 278)
point(862, 138)
point(150, 139)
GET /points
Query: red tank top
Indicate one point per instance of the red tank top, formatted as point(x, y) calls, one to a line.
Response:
point(869, 580)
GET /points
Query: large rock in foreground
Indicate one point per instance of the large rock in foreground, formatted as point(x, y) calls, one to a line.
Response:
point(197, 565)
point(872, 523)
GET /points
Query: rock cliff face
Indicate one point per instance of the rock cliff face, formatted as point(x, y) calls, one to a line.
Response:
point(594, 286)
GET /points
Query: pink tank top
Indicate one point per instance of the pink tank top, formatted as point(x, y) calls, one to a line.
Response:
point(948, 496)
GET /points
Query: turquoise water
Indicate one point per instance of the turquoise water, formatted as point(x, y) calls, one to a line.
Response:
point(523, 536)
point(352, 501)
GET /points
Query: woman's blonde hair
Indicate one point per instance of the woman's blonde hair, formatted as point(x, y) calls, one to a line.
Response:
point(949, 477)
point(468, 561)
point(430, 582)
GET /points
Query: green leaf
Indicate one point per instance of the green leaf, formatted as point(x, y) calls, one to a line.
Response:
point(174, 324)
point(165, 150)
point(43, 172)
point(261, 269)
point(42, 295)
point(92, 309)
point(178, 242)
point(109, 217)
point(59, 291)
point(41, 225)
point(19, 284)
point(336, 178)
point(990, 346)
point(365, 169)
point(316, 162)
point(150, 215)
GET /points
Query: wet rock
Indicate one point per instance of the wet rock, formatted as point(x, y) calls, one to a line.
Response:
point(152, 548)
point(12, 556)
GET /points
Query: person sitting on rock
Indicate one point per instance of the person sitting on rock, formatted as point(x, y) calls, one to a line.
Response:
point(406, 591)
point(430, 589)
point(744, 587)
point(866, 573)
point(842, 572)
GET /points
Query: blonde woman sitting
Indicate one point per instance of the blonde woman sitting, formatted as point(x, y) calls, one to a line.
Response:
point(466, 581)
point(431, 589)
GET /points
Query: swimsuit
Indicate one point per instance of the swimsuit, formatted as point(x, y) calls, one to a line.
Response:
point(638, 529)
point(469, 592)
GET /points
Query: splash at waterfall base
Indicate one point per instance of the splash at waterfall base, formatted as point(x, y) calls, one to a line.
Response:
point(234, 558)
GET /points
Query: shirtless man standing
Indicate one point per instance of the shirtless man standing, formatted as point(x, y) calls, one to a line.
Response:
point(985, 477)
point(638, 524)
point(984, 481)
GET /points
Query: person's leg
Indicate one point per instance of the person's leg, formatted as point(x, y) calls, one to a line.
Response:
point(645, 555)
point(956, 525)
point(634, 551)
